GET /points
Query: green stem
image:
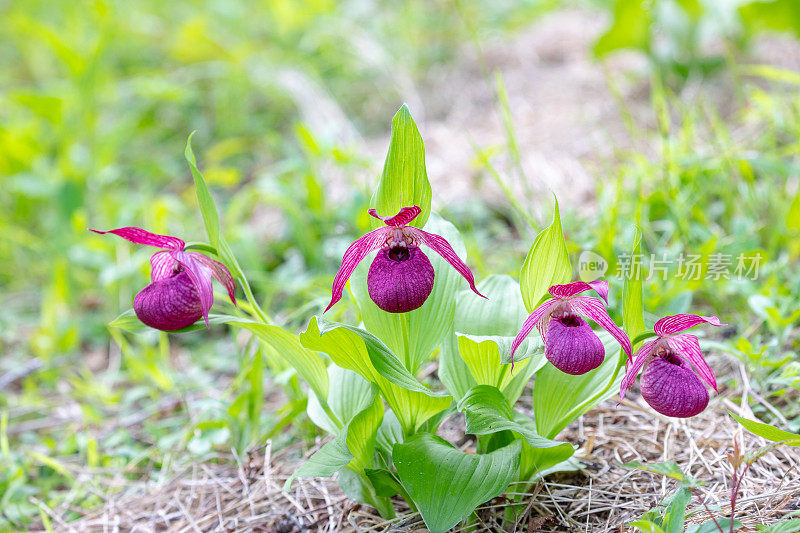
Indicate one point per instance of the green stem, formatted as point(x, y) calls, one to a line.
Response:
point(580, 408)
point(248, 292)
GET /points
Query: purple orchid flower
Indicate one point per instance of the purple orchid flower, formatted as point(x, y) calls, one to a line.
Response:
point(400, 277)
point(569, 342)
point(181, 290)
point(672, 363)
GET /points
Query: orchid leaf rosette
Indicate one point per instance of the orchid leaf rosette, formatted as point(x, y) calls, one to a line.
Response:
point(570, 344)
point(180, 292)
point(401, 276)
point(673, 368)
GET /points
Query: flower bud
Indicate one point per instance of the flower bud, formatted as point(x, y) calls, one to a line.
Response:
point(400, 278)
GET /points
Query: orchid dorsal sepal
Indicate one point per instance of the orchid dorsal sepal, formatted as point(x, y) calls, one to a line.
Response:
point(562, 340)
point(172, 299)
point(401, 276)
point(673, 367)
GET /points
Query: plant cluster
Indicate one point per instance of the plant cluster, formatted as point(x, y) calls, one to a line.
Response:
point(364, 380)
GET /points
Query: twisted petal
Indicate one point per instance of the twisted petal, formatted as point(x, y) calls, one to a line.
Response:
point(140, 236)
point(592, 308)
point(161, 265)
point(440, 245)
point(403, 217)
point(577, 287)
point(639, 358)
point(538, 319)
point(220, 273)
point(687, 347)
point(354, 254)
point(201, 278)
point(677, 323)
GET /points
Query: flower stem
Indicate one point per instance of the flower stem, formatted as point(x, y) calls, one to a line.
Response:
point(248, 292)
point(578, 409)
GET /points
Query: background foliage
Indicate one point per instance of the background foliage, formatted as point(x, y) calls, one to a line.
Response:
point(97, 99)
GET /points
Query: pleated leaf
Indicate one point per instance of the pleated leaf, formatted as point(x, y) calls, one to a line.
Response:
point(447, 484)
point(404, 181)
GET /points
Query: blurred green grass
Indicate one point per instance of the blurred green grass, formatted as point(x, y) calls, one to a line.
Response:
point(96, 101)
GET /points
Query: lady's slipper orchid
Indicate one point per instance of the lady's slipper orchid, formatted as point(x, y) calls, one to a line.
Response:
point(181, 290)
point(672, 363)
point(401, 276)
point(569, 342)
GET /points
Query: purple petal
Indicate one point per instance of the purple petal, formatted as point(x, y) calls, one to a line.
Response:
point(677, 323)
point(577, 287)
point(162, 265)
point(572, 346)
point(354, 254)
point(440, 245)
point(402, 218)
point(140, 236)
point(220, 273)
point(400, 286)
point(536, 319)
point(592, 308)
point(687, 347)
point(671, 387)
point(639, 358)
point(169, 304)
point(201, 278)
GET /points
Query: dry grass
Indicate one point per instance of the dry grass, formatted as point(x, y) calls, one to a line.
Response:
point(233, 494)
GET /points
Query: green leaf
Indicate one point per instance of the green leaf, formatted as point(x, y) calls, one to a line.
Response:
point(308, 364)
point(414, 335)
point(482, 356)
point(447, 484)
point(361, 434)
point(546, 264)
point(646, 526)
point(453, 371)
point(352, 448)
point(404, 181)
point(384, 482)
point(502, 314)
point(630, 28)
point(536, 462)
point(487, 411)
point(380, 358)
point(676, 512)
point(632, 297)
point(780, 15)
point(359, 488)
point(129, 322)
point(328, 460)
point(725, 524)
point(668, 469)
point(786, 526)
point(767, 431)
point(357, 350)
point(348, 393)
point(204, 199)
point(560, 398)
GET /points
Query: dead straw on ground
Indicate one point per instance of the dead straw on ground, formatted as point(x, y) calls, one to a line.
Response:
point(229, 493)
